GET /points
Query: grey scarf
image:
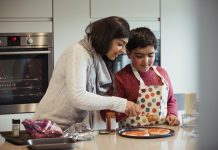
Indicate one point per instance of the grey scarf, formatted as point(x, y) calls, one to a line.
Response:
point(98, 77)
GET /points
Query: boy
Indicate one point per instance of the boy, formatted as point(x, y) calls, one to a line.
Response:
point(145, 84)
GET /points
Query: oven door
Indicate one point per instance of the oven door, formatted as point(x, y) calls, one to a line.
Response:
point(24, 77)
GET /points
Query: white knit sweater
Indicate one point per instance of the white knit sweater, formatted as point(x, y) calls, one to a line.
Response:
point(66, 100)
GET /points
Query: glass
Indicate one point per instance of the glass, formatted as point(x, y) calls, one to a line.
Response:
point(23, 78)
point(2, 139)
point(91, 120)
point(190, 120)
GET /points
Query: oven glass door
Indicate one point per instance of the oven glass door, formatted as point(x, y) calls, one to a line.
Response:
point(23, 78)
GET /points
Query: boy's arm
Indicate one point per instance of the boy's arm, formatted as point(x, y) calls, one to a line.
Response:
point(172, 102)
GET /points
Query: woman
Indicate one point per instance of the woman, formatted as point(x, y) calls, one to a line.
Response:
point(81, 77)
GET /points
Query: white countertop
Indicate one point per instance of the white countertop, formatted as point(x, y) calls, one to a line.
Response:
point(182, 140)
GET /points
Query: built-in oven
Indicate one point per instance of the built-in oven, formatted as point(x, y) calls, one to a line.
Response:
point(26, 64)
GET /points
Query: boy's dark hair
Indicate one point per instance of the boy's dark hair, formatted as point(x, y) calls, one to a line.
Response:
point(141, 37)
point(103, 31)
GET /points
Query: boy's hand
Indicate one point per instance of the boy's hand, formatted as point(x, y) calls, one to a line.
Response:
point(172, 120)
point(132, 109)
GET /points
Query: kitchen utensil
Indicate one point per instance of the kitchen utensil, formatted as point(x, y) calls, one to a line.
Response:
point(51, 143)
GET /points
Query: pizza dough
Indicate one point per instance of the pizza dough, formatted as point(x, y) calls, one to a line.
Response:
point(147, 132)
point(136, 133)
point(158, 131)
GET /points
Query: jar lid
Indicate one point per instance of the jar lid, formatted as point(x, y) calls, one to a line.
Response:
point(16, 121)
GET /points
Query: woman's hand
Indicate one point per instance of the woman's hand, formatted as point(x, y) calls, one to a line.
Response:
point(132, 109)
point(172, 120)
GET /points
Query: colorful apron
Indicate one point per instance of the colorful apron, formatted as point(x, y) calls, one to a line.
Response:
point(153, 102)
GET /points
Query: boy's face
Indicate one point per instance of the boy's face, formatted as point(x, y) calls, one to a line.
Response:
point(142, 58)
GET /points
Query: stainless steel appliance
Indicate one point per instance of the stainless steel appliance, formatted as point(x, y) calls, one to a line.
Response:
point(26, 64)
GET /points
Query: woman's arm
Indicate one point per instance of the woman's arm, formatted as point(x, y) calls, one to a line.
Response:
point(76, 73)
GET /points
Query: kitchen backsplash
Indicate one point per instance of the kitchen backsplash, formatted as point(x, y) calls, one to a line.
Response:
point(6, 120)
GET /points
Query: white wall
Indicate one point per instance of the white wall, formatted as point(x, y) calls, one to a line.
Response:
point(180, 44)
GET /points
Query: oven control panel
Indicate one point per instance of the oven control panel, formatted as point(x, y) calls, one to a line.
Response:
point(25, 40)
point(13, 40)
point(10, 41)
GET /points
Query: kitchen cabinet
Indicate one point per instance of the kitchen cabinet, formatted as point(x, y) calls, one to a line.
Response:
point(25, 16)
point(126, 8)
point(25, 8)
point(70, 20)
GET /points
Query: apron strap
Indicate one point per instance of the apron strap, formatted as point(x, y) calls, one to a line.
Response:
point(158, 73)
point(142, 84)
point(135, 72)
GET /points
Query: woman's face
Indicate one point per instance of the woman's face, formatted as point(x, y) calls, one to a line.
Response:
point(142, 58)
point(117, 48)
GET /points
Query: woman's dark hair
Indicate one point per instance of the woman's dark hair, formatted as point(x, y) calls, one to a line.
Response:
point(103, 31)
point(141, 37)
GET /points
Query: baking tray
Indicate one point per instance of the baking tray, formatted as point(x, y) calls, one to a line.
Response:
point(19, 140)
point(150, 136)
point(51, 143)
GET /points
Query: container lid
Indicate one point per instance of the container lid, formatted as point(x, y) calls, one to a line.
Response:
point(16, 121)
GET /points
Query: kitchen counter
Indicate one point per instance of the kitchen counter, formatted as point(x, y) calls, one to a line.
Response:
point(182, 140)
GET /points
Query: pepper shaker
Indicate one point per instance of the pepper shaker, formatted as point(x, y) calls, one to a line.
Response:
point(15, 127)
